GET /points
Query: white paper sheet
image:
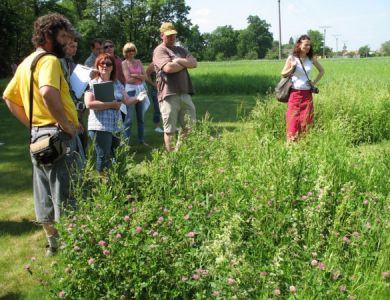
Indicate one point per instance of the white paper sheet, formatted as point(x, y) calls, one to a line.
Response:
point(123, 109)
point(80, 79)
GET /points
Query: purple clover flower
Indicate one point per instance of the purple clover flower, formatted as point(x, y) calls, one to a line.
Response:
point(102, 243)
point(191, 234)
point(292, 289)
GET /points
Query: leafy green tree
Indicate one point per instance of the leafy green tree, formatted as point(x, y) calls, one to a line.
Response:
point(122, 21)
point(364, 51)
point(317, 41)
point(273, 53)
point(16, 19)
point(118, 20)
point(195, 42)
point(256, 37)
point(385, 49)
point(223, 40)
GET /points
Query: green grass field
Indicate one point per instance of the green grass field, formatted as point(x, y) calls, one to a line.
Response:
point(238, 168)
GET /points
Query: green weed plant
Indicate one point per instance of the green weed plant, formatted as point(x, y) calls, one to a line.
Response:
point(242, 214)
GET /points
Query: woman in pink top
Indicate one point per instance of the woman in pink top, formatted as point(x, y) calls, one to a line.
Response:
point(135, 77)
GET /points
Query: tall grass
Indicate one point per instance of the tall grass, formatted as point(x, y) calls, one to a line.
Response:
point(242, 215)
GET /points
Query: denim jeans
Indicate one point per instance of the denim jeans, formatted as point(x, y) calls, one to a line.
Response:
point(105, 144)
point(156, 108)
point(140, 109)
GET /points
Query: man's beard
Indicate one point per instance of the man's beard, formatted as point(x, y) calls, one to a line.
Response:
point(58, 49)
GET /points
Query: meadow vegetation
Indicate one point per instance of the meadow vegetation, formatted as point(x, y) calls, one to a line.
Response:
point(237, 213)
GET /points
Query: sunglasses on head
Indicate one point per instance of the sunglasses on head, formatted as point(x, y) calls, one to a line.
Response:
point(108, 46)
point(106, 63)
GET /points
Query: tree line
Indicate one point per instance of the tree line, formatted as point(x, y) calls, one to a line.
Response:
point(139, 21)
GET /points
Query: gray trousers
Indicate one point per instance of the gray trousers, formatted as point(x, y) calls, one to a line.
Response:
point(52, 184)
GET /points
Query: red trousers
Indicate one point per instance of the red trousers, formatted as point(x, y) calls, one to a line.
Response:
point(299, 114)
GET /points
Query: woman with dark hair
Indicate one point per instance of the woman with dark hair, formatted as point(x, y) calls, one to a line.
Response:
point(104, 116)
point(300, 109)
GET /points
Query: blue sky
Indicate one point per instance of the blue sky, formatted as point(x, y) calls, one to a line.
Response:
point(355, 22)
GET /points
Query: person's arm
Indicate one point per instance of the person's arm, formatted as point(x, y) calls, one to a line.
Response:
point(149, 71)
point(172, 67)
point(189, 62)
point(320, 69)
point(92, 103)
point(163, 60)
point(143, 75)
point(289, 67)
point(134, 99)
point(52, 99)
point(126, 73)
point(18, 112)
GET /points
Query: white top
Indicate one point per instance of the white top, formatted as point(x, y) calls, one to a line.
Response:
point(299, 78)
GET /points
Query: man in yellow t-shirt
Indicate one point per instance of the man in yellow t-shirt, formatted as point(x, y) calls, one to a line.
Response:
point(53, 111)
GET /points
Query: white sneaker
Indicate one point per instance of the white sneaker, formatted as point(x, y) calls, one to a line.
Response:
point(159, 130)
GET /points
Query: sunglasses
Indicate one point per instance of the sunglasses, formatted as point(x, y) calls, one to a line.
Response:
point(108, 46)
point(130, 50)
point(106, 63)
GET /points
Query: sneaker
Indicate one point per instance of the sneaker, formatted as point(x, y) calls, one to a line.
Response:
point(50, 251)
point(159, 130)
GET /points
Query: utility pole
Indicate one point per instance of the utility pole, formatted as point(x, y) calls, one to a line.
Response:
point(280, 33)
point(336, 36)
point(345, 46)
point(324, 27)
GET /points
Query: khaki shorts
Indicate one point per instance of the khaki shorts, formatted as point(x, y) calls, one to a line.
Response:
point(177, 110)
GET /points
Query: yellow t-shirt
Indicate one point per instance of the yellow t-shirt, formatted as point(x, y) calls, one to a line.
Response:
point(48, 72)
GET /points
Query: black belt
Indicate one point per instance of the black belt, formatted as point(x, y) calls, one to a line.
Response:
point(36, 128)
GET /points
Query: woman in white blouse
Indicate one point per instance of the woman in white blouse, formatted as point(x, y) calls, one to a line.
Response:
point(300, 109)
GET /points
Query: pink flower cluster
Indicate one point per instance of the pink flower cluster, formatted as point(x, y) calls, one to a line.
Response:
point(191, 234)
point(263, 274)
point(216, 294)
point(292, 289)
point(319, 264)
point(102, 243)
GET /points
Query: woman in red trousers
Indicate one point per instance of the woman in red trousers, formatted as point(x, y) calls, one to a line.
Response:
point(300, 110)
